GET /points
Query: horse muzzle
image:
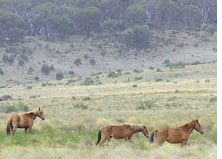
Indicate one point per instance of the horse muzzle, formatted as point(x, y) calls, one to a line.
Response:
point(201, 132)
point(43, 118)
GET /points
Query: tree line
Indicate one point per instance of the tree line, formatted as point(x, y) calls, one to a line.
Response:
point(131, 18)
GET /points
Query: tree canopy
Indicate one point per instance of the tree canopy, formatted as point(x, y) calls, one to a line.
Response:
point(52, 18)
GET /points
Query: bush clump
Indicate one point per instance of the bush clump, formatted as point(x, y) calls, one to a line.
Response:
point(77, 62)
point(20, 107)
point(59, 76)
point(1, 72)
point(139, 36)
point(30, 70)
point(92, 62)
point(80, 106)
point(112, 75)
point(45, 69)
point(88, 81)
point(144, 105)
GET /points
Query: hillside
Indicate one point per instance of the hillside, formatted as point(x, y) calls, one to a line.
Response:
point(78, 56)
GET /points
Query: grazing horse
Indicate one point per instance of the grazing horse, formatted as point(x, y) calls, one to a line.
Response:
point(125, 131)
point(176, 135)
point(23, 121)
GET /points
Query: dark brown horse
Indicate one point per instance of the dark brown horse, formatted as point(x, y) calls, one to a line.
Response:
point(176, 135)
point(23, 121)
point(125, 131)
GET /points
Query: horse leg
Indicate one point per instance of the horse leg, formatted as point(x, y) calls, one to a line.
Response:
point(160, 141)
point(106, 138)
point(30, 130)
point(130, 139)
point(13, 130)
point(26, 130)
point(184, 143)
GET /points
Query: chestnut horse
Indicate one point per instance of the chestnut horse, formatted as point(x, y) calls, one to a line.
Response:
point(176, 135)
point(125, 131)
point(23, 121)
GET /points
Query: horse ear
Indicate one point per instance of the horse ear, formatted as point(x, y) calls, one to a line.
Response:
point(39, 108)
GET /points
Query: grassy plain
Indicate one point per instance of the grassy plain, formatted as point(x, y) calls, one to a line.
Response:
point(76, 108)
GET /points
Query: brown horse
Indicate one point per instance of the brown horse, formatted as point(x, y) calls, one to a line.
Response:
point(176, 135)
point(23, 121)
point(125, 131)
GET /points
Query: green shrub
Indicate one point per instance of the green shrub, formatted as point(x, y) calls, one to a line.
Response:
point(112, 75)
point(29, 87)
point(59, 76)
point(77, 62)
point(10, 108)
point(176, 65)
point(30, 70)
point(86, 56)
point(213, 99)
point(159, 80)
point(139, 36)
point(45, 69)
point(21, 63)
point(92, 62)
point(11, 60)
point(138, 78)
point(5, 58)
point(137, 71)
point(44, 85)
point(214, 49)
point(196, 63)
point(103, 53)
point(88, 81)
point(166, 62)
point(24, 57)
point(80, 106)
point(36, 78)
point(51, 68)
point(22, 107)
point(71, 73)
point(158, 70)
point(112, 26)
point(143, 105)
point(1, 72)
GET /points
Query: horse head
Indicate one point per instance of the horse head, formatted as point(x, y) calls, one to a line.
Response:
point(197, 126)
point(145, 131)
point(40, 114)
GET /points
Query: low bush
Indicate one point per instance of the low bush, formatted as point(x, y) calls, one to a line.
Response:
point(143, 105)
point(59, 76)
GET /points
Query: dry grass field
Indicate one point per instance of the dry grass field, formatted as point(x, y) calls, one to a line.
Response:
point(76, 108)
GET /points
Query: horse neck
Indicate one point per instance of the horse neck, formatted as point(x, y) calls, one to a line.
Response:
point(136, 131)
point(189, 128)
point(34, 114)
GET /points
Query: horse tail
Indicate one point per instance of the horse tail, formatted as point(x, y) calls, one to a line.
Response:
point(99, 136)
point(8, 125)
point(152, 136)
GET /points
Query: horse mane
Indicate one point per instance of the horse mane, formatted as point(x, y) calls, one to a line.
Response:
point(186, 124)
point(136, 127)
point(31, 112)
